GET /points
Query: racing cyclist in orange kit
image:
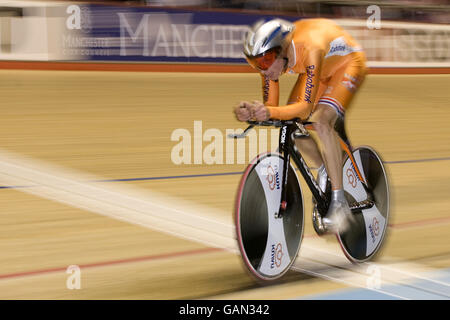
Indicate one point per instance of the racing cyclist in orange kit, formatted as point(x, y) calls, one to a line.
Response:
point(331, 67)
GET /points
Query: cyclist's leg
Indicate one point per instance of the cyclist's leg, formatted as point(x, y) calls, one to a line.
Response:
point(308, 145)
point(331, 106)
point(309, 148)
point(323, 120)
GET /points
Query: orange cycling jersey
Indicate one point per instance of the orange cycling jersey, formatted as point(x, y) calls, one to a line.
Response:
point(331, 65)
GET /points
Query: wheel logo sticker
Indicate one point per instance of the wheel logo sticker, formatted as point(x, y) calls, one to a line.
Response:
point(374, 229)
point(273, 178)
point(277, 255)
point(351, 177)
point(270, 177)
point(376, 226)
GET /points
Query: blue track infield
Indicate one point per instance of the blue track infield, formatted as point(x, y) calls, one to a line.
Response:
point(433, 286)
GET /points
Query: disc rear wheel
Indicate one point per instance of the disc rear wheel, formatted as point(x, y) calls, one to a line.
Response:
point(364, 238)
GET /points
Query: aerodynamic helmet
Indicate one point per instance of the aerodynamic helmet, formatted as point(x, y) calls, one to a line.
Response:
point(265, 41)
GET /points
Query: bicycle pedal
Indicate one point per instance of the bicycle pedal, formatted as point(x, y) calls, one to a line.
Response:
point(365, 204)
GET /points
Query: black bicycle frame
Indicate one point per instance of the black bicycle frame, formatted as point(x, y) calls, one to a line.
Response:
point(288, 149)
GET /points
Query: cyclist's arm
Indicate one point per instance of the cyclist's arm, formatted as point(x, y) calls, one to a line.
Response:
point(307, 91)
point(271, 91)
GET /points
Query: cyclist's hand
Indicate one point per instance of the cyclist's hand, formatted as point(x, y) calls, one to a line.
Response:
point(242, 111)
point(260, 111)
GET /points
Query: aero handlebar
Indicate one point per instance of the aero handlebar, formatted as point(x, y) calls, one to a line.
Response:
point(267, 123)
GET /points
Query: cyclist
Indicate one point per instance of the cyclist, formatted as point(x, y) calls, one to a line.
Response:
point(331, 67)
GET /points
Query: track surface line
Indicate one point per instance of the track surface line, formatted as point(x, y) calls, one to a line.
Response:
point(110, 263)
point(157, 212)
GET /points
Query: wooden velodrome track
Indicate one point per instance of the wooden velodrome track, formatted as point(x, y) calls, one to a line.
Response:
point(118, 125)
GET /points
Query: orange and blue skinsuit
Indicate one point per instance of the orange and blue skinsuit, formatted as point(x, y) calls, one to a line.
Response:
point(331, 65)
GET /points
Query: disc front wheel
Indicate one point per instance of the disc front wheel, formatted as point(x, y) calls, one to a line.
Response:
point(268, 244)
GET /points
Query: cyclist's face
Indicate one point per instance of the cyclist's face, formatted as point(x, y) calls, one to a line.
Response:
point(275, 70)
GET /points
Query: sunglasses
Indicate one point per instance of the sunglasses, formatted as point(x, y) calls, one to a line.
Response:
point(265, 60)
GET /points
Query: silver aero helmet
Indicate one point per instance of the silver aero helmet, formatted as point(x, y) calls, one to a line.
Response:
point(265, 41)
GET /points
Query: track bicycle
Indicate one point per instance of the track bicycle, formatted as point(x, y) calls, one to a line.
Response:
point(269, 211)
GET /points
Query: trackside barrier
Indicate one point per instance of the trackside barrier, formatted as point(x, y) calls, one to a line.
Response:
point(40, 31)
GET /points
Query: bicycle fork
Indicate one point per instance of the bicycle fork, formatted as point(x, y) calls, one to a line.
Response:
point(284, 132)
